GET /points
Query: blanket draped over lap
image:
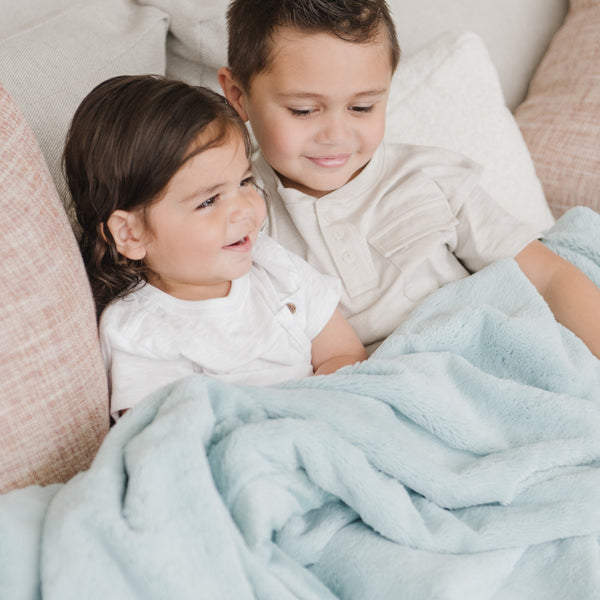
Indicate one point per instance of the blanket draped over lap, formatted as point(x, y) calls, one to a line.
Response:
point(459, 462)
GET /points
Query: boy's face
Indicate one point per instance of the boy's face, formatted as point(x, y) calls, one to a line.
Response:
point(318, 111)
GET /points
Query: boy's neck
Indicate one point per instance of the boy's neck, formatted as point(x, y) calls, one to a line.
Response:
point(290, 184)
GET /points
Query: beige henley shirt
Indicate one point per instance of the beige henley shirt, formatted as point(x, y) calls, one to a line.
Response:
point(413, 220)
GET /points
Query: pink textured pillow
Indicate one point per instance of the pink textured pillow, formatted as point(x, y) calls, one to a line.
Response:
point(560, 118)
point(53, 403)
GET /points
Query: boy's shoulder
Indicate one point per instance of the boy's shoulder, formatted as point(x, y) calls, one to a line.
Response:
point(431, 159)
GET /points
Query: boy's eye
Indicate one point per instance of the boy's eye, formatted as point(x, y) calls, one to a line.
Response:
point(207, 203)
point(301, 112)
point(362, 109)
point(248, 181)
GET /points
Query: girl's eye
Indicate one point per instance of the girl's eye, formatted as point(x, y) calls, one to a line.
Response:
point(362, 109)
point(207, 203)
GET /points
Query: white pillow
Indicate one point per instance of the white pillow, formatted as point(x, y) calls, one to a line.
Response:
point(448, 95)
point(197, 46)
point(49, 64)
point(18, 16)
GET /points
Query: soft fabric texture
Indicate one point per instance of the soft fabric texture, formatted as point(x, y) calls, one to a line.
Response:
point(54, 407)
point(414, 219)
point(449, 95)
point(517, 33)
point(459, 462)
point(560, 118)
point(17, 16)
point(261, 333)
point(59, 53)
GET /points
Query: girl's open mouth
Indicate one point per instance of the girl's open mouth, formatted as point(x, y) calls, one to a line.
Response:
point(242, 244)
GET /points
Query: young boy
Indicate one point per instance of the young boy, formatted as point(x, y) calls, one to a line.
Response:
point(394, 222)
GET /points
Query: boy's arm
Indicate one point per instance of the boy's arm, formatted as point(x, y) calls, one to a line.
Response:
point(572, 297)
point(336, 346)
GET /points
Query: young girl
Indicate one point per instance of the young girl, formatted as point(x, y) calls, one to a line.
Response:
point(183, 281)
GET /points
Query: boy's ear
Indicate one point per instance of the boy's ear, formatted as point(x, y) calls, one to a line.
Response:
point(233, 92)
point(125, 229)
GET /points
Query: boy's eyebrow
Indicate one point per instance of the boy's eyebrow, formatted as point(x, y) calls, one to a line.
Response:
point(314, 95)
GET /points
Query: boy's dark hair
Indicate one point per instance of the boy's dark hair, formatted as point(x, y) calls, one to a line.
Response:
point(128, 138)
point(253, 24)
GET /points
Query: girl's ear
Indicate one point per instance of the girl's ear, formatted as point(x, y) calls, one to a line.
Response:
point(233, 92)
point(126, 230)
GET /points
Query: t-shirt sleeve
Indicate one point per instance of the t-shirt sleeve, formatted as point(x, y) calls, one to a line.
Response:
point(313, 294)
point(487, 232)
point(321, 295)
point(134, 375)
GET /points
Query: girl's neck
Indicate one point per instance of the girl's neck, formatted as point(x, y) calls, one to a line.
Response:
point(193, 292)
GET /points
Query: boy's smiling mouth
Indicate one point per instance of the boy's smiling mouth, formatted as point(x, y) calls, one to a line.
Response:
point(330, 162)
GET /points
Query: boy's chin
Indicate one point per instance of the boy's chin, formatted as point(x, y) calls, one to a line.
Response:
point(319, 186)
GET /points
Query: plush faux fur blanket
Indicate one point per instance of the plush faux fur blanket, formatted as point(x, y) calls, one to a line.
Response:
point(459, 462)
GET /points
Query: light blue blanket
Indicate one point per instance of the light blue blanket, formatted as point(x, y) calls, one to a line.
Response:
point(459, 462)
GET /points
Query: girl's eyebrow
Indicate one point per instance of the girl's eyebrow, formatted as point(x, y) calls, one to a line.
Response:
point(201, 192)
point(210, 190)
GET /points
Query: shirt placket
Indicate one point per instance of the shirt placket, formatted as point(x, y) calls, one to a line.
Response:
point(348, 248)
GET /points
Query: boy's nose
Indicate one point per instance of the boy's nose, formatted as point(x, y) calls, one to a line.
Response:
point(333, 130)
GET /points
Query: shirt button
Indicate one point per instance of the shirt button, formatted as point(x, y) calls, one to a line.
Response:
point(348, 257)
point(339, 234)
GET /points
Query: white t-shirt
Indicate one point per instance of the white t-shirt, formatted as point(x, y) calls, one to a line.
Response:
point(259, 334)
point(414, 219)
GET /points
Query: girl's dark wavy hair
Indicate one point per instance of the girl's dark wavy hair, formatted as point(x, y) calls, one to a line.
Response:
point(253, 24)
point(127, 139)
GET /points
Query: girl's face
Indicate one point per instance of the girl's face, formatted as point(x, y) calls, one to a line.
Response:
point(201, 232)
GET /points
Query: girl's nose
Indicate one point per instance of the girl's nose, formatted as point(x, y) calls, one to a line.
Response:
point(242, 207)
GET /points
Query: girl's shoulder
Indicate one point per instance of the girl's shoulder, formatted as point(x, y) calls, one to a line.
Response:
point(278, 262)
point(123, 317)
point(286, 271)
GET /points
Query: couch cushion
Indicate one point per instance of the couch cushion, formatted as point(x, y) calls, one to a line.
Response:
point(17, 16)
point(515, 32)
point(560, 119)
point(54, 402)
point(49, 62)
point(448, 95)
